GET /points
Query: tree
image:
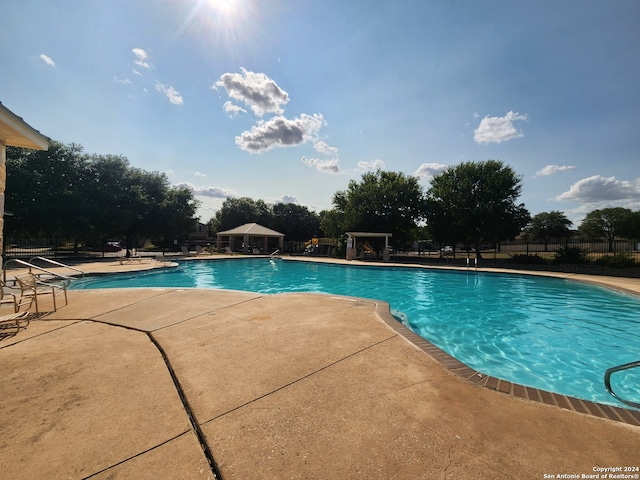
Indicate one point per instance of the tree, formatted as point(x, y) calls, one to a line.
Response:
point(177, 215)
point(128, 201)
point(330, 223)
point(632, 230)
point(46, 191)
point(109, 186)
point(238, 211)
point(67, 193)
point(547, 225)
point(297, 222)
point(381, 202)
point(475, 202)
point(150, 206)
point(608, 224)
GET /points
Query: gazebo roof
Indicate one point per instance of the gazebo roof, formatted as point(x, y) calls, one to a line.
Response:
point(17, 133)
point(253, 229)
point(369, 234)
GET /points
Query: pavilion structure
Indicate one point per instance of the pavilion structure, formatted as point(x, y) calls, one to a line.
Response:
point(250, 238)
point(353, 245)
point(14, 132)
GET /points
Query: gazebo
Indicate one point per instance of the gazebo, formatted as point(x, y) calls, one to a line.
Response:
point(352, 240)
point(253, 236)
point(14, 132)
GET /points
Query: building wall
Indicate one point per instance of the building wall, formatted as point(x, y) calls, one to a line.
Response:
point(3, 184)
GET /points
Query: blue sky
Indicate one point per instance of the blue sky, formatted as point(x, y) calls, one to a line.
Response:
point(289, 100)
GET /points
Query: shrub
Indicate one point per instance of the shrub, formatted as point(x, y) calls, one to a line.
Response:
point(572, 255)
point(527, 259)
point(619, 260)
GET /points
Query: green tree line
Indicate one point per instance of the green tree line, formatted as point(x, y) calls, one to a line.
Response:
point(297, 222)
point(91, 198)
point(66, 192)
point(606, 224)
point(472, 203)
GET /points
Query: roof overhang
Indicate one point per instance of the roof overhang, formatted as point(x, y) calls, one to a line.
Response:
point(15, 132)
point(251, 229)
point(369, 235)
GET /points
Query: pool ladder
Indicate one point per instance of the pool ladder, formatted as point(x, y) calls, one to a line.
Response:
point(607, 381)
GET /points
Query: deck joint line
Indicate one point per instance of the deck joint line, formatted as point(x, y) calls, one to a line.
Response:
point(189, 411)
point(282, 387)
point(135, 456)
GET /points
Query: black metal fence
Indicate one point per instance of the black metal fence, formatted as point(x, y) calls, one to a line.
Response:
point(48, 247)
point(591, 251)
point(57, 248)
point(621, 258)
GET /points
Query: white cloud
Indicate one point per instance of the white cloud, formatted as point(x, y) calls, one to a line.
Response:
point(198, 174)
point(46, 59)
point(371, 165)
point(498, 129)
point(553, 169)
point(124, 81)
point(280, 132)
point(256, 90)
point(212, 192)
point(599, 189)
point(322, 147)
point(325, 166)
point(171, 93)
point(232, 109)
point(141, 58)
point(288, 199)
point(429, 170)
point(263, 95)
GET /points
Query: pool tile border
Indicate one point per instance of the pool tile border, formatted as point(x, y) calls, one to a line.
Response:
point(462, 370)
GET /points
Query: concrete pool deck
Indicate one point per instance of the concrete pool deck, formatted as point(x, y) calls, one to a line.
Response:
point(129, 383)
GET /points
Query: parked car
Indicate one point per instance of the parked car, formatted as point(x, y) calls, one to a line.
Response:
point(112, 247)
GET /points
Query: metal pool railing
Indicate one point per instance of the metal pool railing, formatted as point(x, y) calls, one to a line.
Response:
point(607, 381)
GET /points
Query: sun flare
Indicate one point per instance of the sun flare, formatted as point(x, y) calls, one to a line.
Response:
point(224, 7)
point(221, 24)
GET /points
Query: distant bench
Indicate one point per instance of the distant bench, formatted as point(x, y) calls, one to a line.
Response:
point(131, 260)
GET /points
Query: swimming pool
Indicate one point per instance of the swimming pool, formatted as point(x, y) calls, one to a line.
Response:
point(552, 334)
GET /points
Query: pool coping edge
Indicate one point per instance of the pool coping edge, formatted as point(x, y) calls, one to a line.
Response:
point(462, 370)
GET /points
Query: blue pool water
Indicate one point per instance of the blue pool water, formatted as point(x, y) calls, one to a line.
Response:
point(552, 334)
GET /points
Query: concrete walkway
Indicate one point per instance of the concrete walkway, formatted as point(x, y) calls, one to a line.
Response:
point(159, 383)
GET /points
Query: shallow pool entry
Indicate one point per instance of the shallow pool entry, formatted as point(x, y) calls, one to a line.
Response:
point(547, 333)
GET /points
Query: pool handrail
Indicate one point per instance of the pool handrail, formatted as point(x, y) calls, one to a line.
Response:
point(52, 275)
point(607, 381)
point(58, 264)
